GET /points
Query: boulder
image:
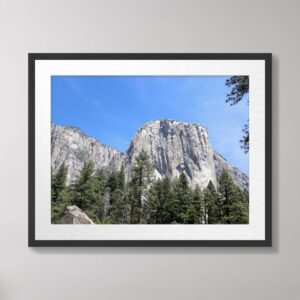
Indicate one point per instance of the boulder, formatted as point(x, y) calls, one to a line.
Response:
point(74, 215)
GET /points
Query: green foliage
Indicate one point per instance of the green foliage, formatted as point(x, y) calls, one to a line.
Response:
point(154, 204)
point(210, 209)
point(183, 195)
point(115, 181)
point(194, 213)
point(168, 202)
point(212, 205)
point(58, 183)
point(162, 205)
point(233, 200)
point(239, 88)
point(141, 177)
point(120, 210)
point(83, 189)
point(108, 199)
point(60, 198)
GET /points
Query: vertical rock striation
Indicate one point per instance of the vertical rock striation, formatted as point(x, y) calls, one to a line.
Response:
point(175, 147)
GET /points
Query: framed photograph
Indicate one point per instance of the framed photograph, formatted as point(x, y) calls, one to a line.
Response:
point(150, 149)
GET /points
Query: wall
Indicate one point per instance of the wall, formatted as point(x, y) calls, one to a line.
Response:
point(148, 26)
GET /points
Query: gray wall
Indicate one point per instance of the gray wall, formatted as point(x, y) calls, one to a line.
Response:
point(148, 26)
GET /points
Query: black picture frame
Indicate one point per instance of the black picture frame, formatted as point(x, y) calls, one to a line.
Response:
point(266, 57)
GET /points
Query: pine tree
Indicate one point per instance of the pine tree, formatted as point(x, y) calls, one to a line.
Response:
point(159, 204)
point(168, 203)
point(106, 197)
point(226, 194)
point(183, 195)
point(210, 208)
point(96, 208)
point(194, 212)
point(83, 190)
point(153, 205)
point(121, 179)
point(234, 202)
point(239, 89)
point(239, 212)
point(115, 181)
point(60, 198)
point(58, 182)
point(120, 210)
point(142, 172)
point(112, 181)
point(213, 206)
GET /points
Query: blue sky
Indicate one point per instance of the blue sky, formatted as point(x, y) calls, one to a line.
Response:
point(112, 108)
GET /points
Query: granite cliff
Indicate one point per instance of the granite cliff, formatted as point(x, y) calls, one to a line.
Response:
point(173, 147)
point(73, 147)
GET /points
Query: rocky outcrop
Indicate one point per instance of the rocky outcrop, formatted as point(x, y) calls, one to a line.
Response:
point(74, 215)
point(238, 176)
point(71, 146)
point(173, 147)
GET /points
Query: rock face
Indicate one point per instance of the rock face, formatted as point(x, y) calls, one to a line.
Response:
point(173, 147)
point(74, 215)
point(71, 146)
point(238, 176)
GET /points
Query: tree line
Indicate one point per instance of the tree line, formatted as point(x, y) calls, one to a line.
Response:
point(107, 198)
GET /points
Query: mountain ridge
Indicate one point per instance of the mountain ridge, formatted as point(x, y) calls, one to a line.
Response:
point(76, 128)
point(173, 147)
